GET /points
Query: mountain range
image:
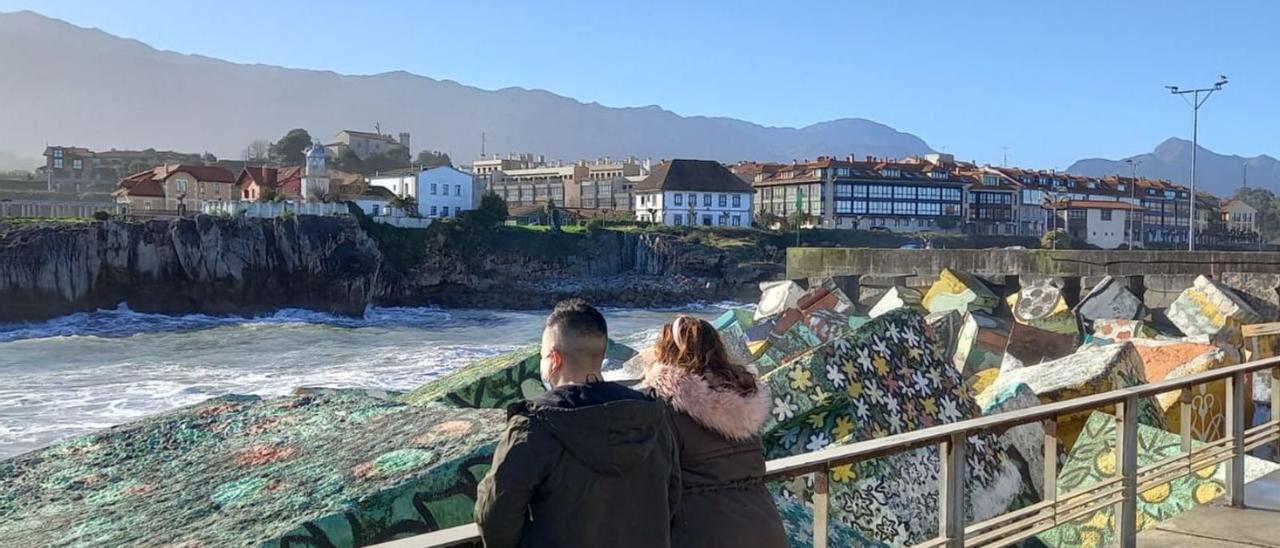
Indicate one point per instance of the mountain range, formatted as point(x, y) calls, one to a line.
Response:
point(1218, 174)
point(71, 85)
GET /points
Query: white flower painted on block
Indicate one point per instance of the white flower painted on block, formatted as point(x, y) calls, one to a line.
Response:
point(950, 410)
point(836, 376)
point(784, 408)
point(817, 441)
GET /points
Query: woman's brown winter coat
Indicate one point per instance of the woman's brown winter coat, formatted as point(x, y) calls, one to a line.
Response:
point(724, 502)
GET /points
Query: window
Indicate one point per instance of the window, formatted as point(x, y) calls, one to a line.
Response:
point(57, 161)
point(842, 172)
point(844, 191)
point(990, 180)
point(180, 184)
point(679, 200)
point(677, 219)
point(375, 212)
point(724, 220)
point(843, 206)
point(693, 201)
point(77, 164)
point(1106, 214)
point(879, 208)
point(737, 200)
point(736, 220)
point(433, 211)
point(904, 192)
point(706, 220)
point(444, 211)
point(433, 189)
point(929, 208)
point(904, 208)
point(859, 206)
point(146, 204)
point(939, 175)
point(881, 192)
point(723, 200)
point(706, 200)
point(444, 190)
point(1075, 214)
point(890, 172)
point(860, 191)
point(952, 194)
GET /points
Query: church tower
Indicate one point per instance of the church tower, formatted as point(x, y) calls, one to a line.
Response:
point(315, 176)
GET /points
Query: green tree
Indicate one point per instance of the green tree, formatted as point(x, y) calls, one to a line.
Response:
point(348, 161)
point(553, 219)
point(407, 204)
point(491, 213)
point(208, 158)
point(432, 158)
point(1056, 239)
point(397, 158)
point(290, 148)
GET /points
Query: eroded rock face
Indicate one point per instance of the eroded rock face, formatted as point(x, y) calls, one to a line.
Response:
point(206, 264)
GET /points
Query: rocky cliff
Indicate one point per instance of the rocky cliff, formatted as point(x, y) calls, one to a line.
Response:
point(249, 266)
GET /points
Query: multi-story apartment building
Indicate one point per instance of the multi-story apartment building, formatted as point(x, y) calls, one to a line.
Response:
point(1238, 216)
point(526, 179)
point(896, 195)
point(695, 193)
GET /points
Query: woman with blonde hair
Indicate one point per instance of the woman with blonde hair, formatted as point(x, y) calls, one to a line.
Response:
point(717, 408)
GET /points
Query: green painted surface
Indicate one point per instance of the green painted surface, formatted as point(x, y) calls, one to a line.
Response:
point(329, 468)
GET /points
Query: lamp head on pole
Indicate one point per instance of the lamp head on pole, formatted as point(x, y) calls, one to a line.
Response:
point(1172, 89)
point(1222, 81)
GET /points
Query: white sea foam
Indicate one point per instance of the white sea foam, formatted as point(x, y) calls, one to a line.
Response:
point(82, 372)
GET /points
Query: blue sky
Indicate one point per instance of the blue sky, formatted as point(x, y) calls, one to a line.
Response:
point(1052, 81)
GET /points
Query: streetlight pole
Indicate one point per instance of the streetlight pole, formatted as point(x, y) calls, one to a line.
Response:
point(1196, 102)
point(1133, 197)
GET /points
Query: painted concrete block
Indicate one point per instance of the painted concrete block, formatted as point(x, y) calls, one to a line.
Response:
point(1261, 291)
point(961, 291)
point(1032, 346)
point(1163, 360)
point(1105, 331)
point(339, 468)
point(742, 317)
point(1093, 461)
point(1042, 305)
point(494, 383)
point(1025, 443)
point(897, 297)
point(776, 297)
point(1110, 299)
point(1091, 370)
point(943, 329)
point(732, 327)
point(1212, 309)
point(980, 343)
point(878, 381)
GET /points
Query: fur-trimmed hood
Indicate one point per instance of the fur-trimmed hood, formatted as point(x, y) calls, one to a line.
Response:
point(735, 416)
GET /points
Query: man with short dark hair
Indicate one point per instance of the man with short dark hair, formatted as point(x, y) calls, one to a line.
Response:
point(589, 463)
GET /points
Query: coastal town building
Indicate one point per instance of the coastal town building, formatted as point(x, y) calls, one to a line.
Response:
point(175, 189)
point(79, 169)
point(1238, 216)
point(315, 175)
point(528, 179)
point(365, 144)
point(375, 201)
point(445, 192)
point(871, 193)
point(261, 183)
point(1100, 223)
point(400, 182)
point(694, 192)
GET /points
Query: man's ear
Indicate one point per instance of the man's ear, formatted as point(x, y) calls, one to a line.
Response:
point(557, 360)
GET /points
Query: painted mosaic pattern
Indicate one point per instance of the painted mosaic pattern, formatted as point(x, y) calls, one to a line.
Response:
point(797, 519)
point(961, 291)
point(1163, 360)
point(338, 468)
point(980, 343)
point(1110, 300)
point(1042, 306)
point(1093, 460)
point(1025, 443)
point(879, 381)
point(494, 383)
point(1210, 308)
point(897, 297)
point(1105, 331)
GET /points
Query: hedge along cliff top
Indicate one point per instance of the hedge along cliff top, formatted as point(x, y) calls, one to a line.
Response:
point(329, 468)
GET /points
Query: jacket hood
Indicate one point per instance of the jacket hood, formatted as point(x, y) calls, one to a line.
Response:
point(609, 438)
point(735, 416)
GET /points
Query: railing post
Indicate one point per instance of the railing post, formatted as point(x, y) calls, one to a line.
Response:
point(1235, 421)
point(1275, 407)
point(1127, 464)
point(821, 507)
point(1050, 487)
point(951, 490)
point(1184, 413)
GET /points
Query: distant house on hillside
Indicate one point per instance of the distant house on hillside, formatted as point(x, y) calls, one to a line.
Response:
point(694, 192)
point(445, 192)
point(78, 169)
point(365, 144)
point(1239, 216)
point(376, 201)
point(401, 182)
point(176, 189)
point(257, 183)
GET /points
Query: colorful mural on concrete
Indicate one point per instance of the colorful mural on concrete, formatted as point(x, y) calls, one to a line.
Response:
point(1174, 359)
point(1025, 443)
point(1212, 309)
point(1040, 304)
point(1093, 460)
point(897, 297)
point(1105, 331)
point(1032, 346)
point(961, 291)
point(1110, 299)
point(878, 381)
point(494, 383)
point(980, 343)
point(338, 468)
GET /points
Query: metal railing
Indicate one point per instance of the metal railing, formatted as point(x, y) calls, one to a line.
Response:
point(1056, 508)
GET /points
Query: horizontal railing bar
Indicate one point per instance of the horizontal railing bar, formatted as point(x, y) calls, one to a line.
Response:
point(1066, 505)
point(1180, 460)
point(982, 526)
point(452, 536)
point(1013, 528)
point(934, 542)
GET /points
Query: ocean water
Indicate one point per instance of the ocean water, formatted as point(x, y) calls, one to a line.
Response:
point(83, 372)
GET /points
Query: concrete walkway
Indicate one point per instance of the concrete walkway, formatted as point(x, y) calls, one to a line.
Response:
point(1216, 525)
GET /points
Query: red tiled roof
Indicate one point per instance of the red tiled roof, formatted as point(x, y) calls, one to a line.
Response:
point(286, 180)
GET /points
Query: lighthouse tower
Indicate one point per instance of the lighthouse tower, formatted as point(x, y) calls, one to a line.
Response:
point(315, 176)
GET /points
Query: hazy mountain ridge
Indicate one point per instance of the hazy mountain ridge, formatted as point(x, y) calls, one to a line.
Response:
point(89, 88)
point(1219, 174)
